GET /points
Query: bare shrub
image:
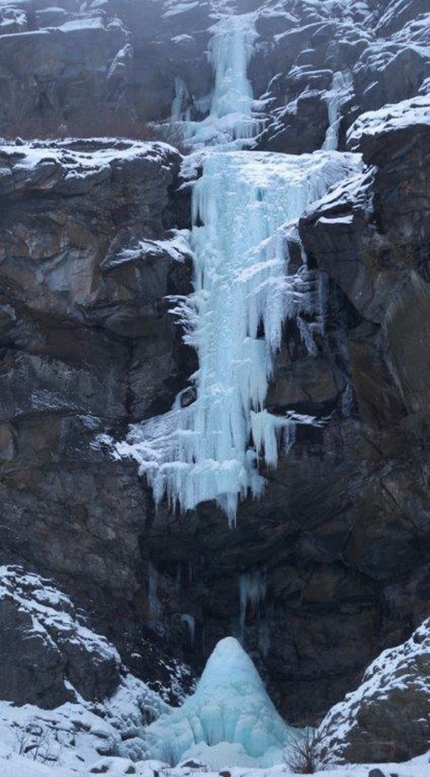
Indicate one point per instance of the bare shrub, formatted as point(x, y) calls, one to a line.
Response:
point(304, 755)
point(37, 742)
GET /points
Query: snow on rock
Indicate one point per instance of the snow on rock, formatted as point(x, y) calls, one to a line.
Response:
point(176, 246)
point(388, 716)
point(72, 166)
point(229, 720)
point(390, 118)
point(69, 679)
point(47, 652)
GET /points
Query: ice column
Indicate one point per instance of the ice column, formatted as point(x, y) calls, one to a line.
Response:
point(232, 115)
point(339, 93)
point(229, 718)
point(180, 105)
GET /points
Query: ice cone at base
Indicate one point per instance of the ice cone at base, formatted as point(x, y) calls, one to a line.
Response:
point(229, 720)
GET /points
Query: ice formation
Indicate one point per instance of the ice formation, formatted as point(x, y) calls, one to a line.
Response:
point(339, 93)
point(230, 718)
point(244, 204)
point(233, 113)
point(252, 592)
point(242, 207)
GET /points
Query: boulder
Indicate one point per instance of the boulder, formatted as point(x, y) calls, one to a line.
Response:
point(387, 717)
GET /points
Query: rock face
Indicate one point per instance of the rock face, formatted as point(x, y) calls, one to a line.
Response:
point(387, 717)
point(50, 658)
point(332, 565)
point(83, 312)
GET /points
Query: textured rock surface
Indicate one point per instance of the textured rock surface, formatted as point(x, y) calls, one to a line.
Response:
point(80, 322)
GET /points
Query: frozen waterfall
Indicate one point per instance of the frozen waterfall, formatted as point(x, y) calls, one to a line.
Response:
point(233, 114)
point(230, 718)
point(338, 94)
point(244, 204)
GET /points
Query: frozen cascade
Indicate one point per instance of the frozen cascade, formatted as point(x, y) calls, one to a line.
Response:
point(243, 206)
point(339, 93)
point(230, 718)
point(233, 113)
point(180, 105)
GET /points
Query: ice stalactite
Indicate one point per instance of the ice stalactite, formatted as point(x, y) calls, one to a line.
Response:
point(154, 603)
point(191, 624)
point(336, 97)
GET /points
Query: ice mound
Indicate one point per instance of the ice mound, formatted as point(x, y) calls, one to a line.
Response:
point(228, 721)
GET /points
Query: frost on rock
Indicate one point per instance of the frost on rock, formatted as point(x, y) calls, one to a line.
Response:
point(229, 720)
point(243, 206)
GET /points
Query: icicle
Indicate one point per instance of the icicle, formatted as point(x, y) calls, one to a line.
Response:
point(264, 639)
point(252, 592)
point(191, 623)
point(154, 603)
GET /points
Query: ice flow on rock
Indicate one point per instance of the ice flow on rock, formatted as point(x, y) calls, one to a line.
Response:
point(233, 114)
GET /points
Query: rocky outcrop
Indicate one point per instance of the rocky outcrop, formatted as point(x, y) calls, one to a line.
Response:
point(47, 654)
point(83, 313)
point(387, 717)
